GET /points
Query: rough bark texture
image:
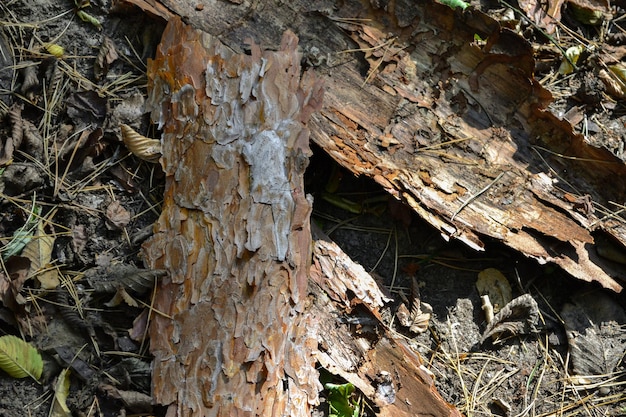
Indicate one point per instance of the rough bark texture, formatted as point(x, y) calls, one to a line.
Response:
point(229, 338)
point(436, 117)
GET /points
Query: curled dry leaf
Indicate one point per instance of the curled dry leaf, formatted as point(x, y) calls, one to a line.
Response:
point(134, 400)
point(491, 282)
point(30, 80)
point(61, 391)
point(142, 147)
point(418, 318)
point(520, 316)
point(15, 116)
point(32, 141)
point(106, 56)
point(10, 286)
point(52, 76)
point(7, 66)
point(55, 49)
point(594, 324)
point(614, 86)
point(86, 107)
point(117, 216)
point(109, 278)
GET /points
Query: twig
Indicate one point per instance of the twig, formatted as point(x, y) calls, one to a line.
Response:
point(475, 196)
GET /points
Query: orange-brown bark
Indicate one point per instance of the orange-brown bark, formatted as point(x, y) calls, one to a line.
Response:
point(415, 102)
point(229, 337)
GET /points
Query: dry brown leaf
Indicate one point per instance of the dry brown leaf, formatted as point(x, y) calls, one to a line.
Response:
point(30, 80)
point(520, 316)
point(132, 399)
point(117, 216)
point(140, 325)
point(106, 56)
point(33, 141)
point(15, 115)
point(491, 282)
point(142, 147)
point(39, 251)
point(17, 267)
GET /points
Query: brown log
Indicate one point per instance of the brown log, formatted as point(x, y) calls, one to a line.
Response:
point(415, 102)
point(234, 234)
point(457, 129)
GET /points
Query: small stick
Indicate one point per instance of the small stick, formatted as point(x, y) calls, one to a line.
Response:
point(475, 196)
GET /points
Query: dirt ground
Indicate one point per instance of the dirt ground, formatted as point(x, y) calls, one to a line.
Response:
point(71, 182)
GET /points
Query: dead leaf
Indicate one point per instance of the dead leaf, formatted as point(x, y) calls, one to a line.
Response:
point(545, 14)
point(122, 295)
point(33, 141)
point(520, 316)
point(594, 325)
point(39, 251)
point(85, 107)
point(106, 56)
point(134, 400)
point(142, 147)
point(590, 12)
point(117, 216)
point(17, 268)
point(30, 80)
point(61, 391)
point(79, 238)
point(109, 278)
point(493, 283)
point(418, 318)
point(15, 115)
point(140, 327)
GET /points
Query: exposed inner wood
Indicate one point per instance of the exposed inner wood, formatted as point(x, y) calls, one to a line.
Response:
point(413, 101)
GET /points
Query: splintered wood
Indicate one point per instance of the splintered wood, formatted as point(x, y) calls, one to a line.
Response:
point(416, 103)
point(228, 338)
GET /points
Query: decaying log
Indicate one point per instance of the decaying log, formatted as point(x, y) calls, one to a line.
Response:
point(239, 324)
point(234, 233)
point(457, 129)
point(381, 365)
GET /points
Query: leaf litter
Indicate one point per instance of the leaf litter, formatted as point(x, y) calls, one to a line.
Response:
point(75, 186)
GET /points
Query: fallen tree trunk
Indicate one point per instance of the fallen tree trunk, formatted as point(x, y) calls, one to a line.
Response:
point(456, 129)
point(239, 322)
point(234, 233)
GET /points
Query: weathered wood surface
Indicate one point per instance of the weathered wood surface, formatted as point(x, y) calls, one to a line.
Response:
point(230, 338)
point(376, 361)
point(435, 118)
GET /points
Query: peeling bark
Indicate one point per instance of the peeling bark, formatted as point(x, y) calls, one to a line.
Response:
point(435, 117)
point(229, 337)
point(382, 366)
point(457, 130)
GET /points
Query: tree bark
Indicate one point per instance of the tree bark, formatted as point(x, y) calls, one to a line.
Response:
point(416, 103)
point(229, 338)
point(456, 129)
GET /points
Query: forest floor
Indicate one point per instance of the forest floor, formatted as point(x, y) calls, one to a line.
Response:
point(75, 207)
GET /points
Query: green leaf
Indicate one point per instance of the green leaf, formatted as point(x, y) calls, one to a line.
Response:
point(340, 402)
point(86, 17)
point(22, 235)
point(19, 359)
point(453, 4)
